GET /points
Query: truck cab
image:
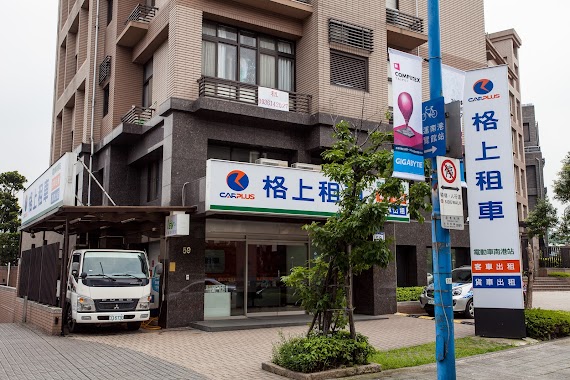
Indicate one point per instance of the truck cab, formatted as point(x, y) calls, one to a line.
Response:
point(107, 286)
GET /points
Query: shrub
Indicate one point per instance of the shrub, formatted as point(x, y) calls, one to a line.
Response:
point(547, 324)
point(558, 274)
point(320, 353)
point(411, 293)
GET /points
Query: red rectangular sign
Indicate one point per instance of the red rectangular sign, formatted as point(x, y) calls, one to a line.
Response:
point(496, 266)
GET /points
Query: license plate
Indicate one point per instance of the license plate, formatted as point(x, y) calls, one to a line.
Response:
point(116, 317)
point(430, 302)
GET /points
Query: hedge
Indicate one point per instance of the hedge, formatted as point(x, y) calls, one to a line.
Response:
point(411, 293)
point(320, 353)
point(547, 324)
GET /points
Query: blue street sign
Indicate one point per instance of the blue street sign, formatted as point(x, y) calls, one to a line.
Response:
point(433, 123)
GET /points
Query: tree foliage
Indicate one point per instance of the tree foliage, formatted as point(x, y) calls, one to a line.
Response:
point(541, 219)
point(344, 242)
point(562, 234)
point(562, 184)
point(10, 184)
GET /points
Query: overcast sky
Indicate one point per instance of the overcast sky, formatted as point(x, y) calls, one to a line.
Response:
point(28, 36)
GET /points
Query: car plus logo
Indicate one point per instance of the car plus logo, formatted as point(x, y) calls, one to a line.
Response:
point(483, 86)
point(237, 180)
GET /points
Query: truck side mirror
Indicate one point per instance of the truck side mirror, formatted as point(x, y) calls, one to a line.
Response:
point(158, 269)
point(83, 275)
point(75, 269)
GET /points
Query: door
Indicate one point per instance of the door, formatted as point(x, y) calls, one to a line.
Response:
point(266, 265)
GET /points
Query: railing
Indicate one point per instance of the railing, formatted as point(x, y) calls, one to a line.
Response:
point(104, 69)
point(142, 13)
point(137, 115)
point(303, 1)
point(550, 257)
point(403, 20)
point(246, 93)
point(532, 149)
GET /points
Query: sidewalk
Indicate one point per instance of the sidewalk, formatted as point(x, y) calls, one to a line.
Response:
point(544, 361)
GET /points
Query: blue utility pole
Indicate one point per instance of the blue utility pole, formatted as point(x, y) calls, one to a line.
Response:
point(441, 242)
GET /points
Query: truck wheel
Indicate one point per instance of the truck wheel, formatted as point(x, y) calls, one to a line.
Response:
point(469, 310)
point(72, 326)
point(133, 326)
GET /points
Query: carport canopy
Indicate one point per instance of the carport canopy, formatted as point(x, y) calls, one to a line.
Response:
point(128, 219)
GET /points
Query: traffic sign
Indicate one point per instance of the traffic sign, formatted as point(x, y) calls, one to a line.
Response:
point(450, 197)
point(433, 124)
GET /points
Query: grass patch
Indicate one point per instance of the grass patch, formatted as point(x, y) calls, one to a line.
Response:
point(558, 274)
point(425, 353)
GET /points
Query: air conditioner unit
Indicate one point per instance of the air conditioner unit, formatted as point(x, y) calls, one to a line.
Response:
point(270, 162)
point(301, 165)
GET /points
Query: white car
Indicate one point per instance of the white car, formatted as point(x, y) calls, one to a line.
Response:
point(462, 293)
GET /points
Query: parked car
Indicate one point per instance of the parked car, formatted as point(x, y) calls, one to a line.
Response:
point(462, 293)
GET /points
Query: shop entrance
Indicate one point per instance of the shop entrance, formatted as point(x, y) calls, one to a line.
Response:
point(266, 264)
point(244, 278)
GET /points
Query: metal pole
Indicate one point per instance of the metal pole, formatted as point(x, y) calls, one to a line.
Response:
point(63, 280)
point(441, 246)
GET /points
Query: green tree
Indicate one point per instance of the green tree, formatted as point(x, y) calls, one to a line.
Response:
point(562, 184)
point(344, 241)
point(539, 221)
point(10, 184)
point(562, 234)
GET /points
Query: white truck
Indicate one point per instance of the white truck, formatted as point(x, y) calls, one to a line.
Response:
point(107, 286)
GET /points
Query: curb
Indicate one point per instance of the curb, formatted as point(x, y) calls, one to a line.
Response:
point(459, 322)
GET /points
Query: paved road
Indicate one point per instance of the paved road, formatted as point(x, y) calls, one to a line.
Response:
point(551, 300)
point(544, 361)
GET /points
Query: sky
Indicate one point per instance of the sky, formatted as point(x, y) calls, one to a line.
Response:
point(28, 39)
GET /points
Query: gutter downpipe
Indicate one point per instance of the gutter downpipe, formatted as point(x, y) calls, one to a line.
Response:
point(94, 87)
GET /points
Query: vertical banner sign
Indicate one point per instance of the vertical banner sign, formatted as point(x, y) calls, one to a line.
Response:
point(493, 219)
point(453, 83)
point(407, 100)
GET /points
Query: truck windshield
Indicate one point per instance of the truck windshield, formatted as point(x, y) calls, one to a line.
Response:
point(115, 264)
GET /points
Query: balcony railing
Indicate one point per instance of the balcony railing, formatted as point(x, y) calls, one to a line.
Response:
point(104, 69)
point(246, 93)
point(137, 115)
point(402, 20)
point(142, 13)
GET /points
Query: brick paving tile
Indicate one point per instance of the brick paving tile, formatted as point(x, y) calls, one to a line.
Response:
point(236, 355)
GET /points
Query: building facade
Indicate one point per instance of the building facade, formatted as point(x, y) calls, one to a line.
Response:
point(147, 94)
point(533, 157)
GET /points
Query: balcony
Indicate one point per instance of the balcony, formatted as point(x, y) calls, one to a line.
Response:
point(136, 25)
point(299, 9)
point(404, 31)
point(247, 93)
point(104, 69)
point(137, 115)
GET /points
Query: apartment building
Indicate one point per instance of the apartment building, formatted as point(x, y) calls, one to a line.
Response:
point(502, 49)
point(154, 96)
point(533, 157)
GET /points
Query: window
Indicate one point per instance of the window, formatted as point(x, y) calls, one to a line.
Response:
point(351, 35)
point(526, 131)
point(109, 11)
point(153, 180)
point(240, 55)
point(106, 100)
point(392, 4)
point(147, 84)
point(348, 70)
point(244, 154)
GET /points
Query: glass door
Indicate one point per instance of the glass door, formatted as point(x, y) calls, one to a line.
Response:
point(266, 264)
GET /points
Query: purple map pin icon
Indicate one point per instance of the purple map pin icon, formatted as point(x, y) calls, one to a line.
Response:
point(406, 106)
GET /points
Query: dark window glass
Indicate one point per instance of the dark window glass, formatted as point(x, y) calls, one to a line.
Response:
point(109, 11)
point(147, 84)
point(153, 189)
point(245, 56)
point(106, 100)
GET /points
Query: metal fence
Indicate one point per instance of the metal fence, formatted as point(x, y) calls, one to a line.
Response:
point(555, 257)
point(39, 272)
